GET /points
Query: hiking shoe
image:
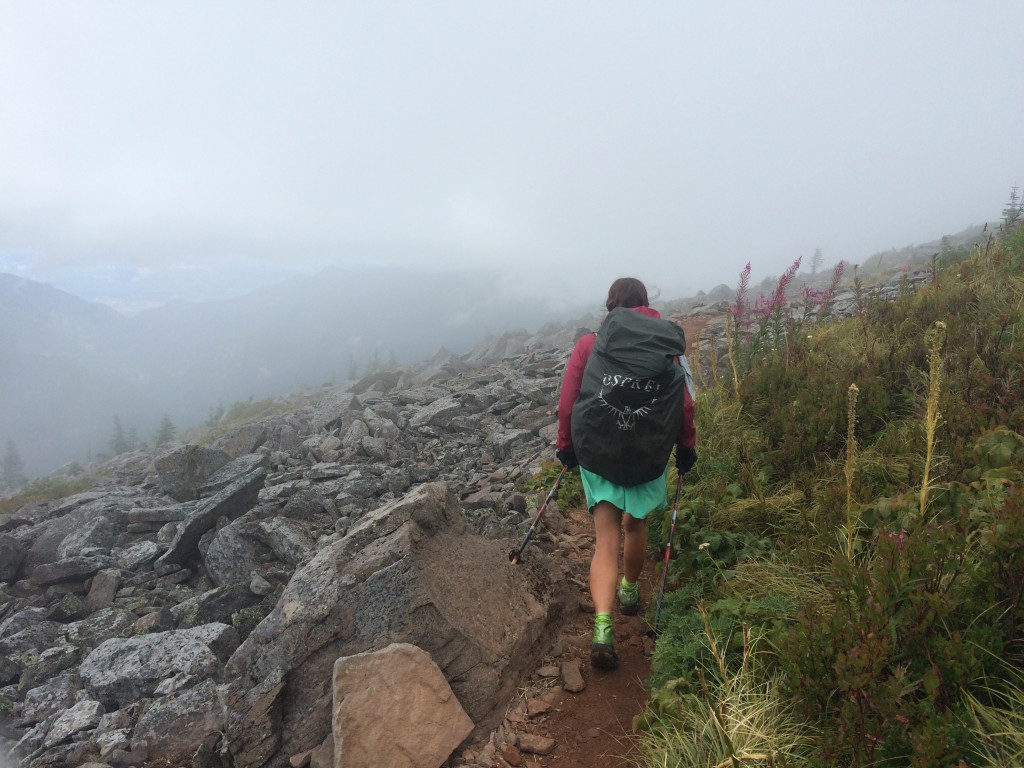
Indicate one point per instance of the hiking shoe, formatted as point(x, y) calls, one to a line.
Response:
point(629, 597)
point(602, 649)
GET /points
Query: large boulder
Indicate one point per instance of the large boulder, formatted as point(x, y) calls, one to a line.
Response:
point(409, 572)
point(122, 670)
point(233, 554)
point(182, 472)
point(232, 502)
point(399, 684)
point(11, 554)
point(242, 440)
point(174, 726)
point(77, 530)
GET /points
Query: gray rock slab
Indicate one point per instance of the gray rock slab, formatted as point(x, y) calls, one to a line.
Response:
point(136, 554)
point(80, 530)
point(122, 670)
point(104, 624)
point(356, 431)
point(333, 409)
point(242, 440)
point(55, 695)
point(233, 555)
point(160, 514)
point(223, 477)
point(23, 619)
point(79, 717)
point(306, 505)
point(215, 605)
point(183, 471)
point(12, 552)
point(70, 569)
point(174, 725)
point(288, 539)
point(220, 638)
point(103, 589)
point(30, 641)
point(394, 707)
point(232, 502)
point(59, 657)
point(439, 413)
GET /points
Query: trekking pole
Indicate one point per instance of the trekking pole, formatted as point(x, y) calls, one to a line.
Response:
point(516, 554)
point(668, 554)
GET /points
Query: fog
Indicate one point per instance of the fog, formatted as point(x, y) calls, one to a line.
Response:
point(563, 143)
point(164, 152)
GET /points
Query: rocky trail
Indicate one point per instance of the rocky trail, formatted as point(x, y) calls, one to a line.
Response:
point(573, 721)
point(188, 606)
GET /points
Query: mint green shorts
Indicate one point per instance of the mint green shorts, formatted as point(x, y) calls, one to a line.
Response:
point(638, 501)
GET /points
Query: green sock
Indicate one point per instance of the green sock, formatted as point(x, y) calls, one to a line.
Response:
point(603, 628)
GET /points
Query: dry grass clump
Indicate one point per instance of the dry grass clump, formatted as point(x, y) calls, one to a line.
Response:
point(736, 720)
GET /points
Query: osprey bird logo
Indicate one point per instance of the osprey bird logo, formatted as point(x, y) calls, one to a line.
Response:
point(625, 417)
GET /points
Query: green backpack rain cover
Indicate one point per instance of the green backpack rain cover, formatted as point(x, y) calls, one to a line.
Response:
point(630, 407)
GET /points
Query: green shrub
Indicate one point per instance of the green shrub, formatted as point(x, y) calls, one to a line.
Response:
point(570, 490)
point(44, 489)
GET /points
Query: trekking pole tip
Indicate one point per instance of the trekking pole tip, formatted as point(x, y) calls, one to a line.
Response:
point(513, 557)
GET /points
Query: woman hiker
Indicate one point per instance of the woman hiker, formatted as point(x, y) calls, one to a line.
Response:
point(622, 419)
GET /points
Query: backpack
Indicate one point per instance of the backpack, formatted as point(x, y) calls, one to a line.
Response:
point(627, 416)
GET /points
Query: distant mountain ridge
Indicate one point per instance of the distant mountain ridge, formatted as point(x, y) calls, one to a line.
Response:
point(68, 366)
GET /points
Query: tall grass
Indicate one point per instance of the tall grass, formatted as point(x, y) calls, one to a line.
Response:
point(843, 429)
point(737, 718)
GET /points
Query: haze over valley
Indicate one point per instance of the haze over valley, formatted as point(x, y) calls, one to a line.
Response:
point(70, 366)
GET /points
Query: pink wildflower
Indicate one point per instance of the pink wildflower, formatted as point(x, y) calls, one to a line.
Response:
point(826, 297)
point(778, 299)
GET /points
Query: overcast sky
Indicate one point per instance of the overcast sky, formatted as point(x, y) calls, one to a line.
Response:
point(567, 143)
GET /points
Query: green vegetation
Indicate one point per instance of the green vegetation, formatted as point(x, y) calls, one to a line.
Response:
point(241, 413)
point(45, 489)
point(165, 432)
point(570, 490)
point(849, 585)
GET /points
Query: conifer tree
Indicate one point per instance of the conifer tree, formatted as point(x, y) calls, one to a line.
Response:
point(1014, 210)
point(816, 261)
point(12, 470)
point(118, 441)
point(133, 439)
point(165, 432)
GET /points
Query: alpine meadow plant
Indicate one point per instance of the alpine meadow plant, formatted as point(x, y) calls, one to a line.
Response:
point(934, 341)
point(888, 646)
point(735, 717)
point(729, 334)
point(851, 458)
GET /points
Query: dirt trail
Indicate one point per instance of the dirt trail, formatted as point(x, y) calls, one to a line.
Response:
point(593, 727)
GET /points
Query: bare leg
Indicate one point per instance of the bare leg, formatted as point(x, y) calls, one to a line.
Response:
point(604, 567)
point(634, 551)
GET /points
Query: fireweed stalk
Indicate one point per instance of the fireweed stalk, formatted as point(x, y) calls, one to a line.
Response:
point(851, 456)
point(732, 352)
point(770, 312)
point(824, 299)
point(934, 338)
point(740, 310)
point(698, 374)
